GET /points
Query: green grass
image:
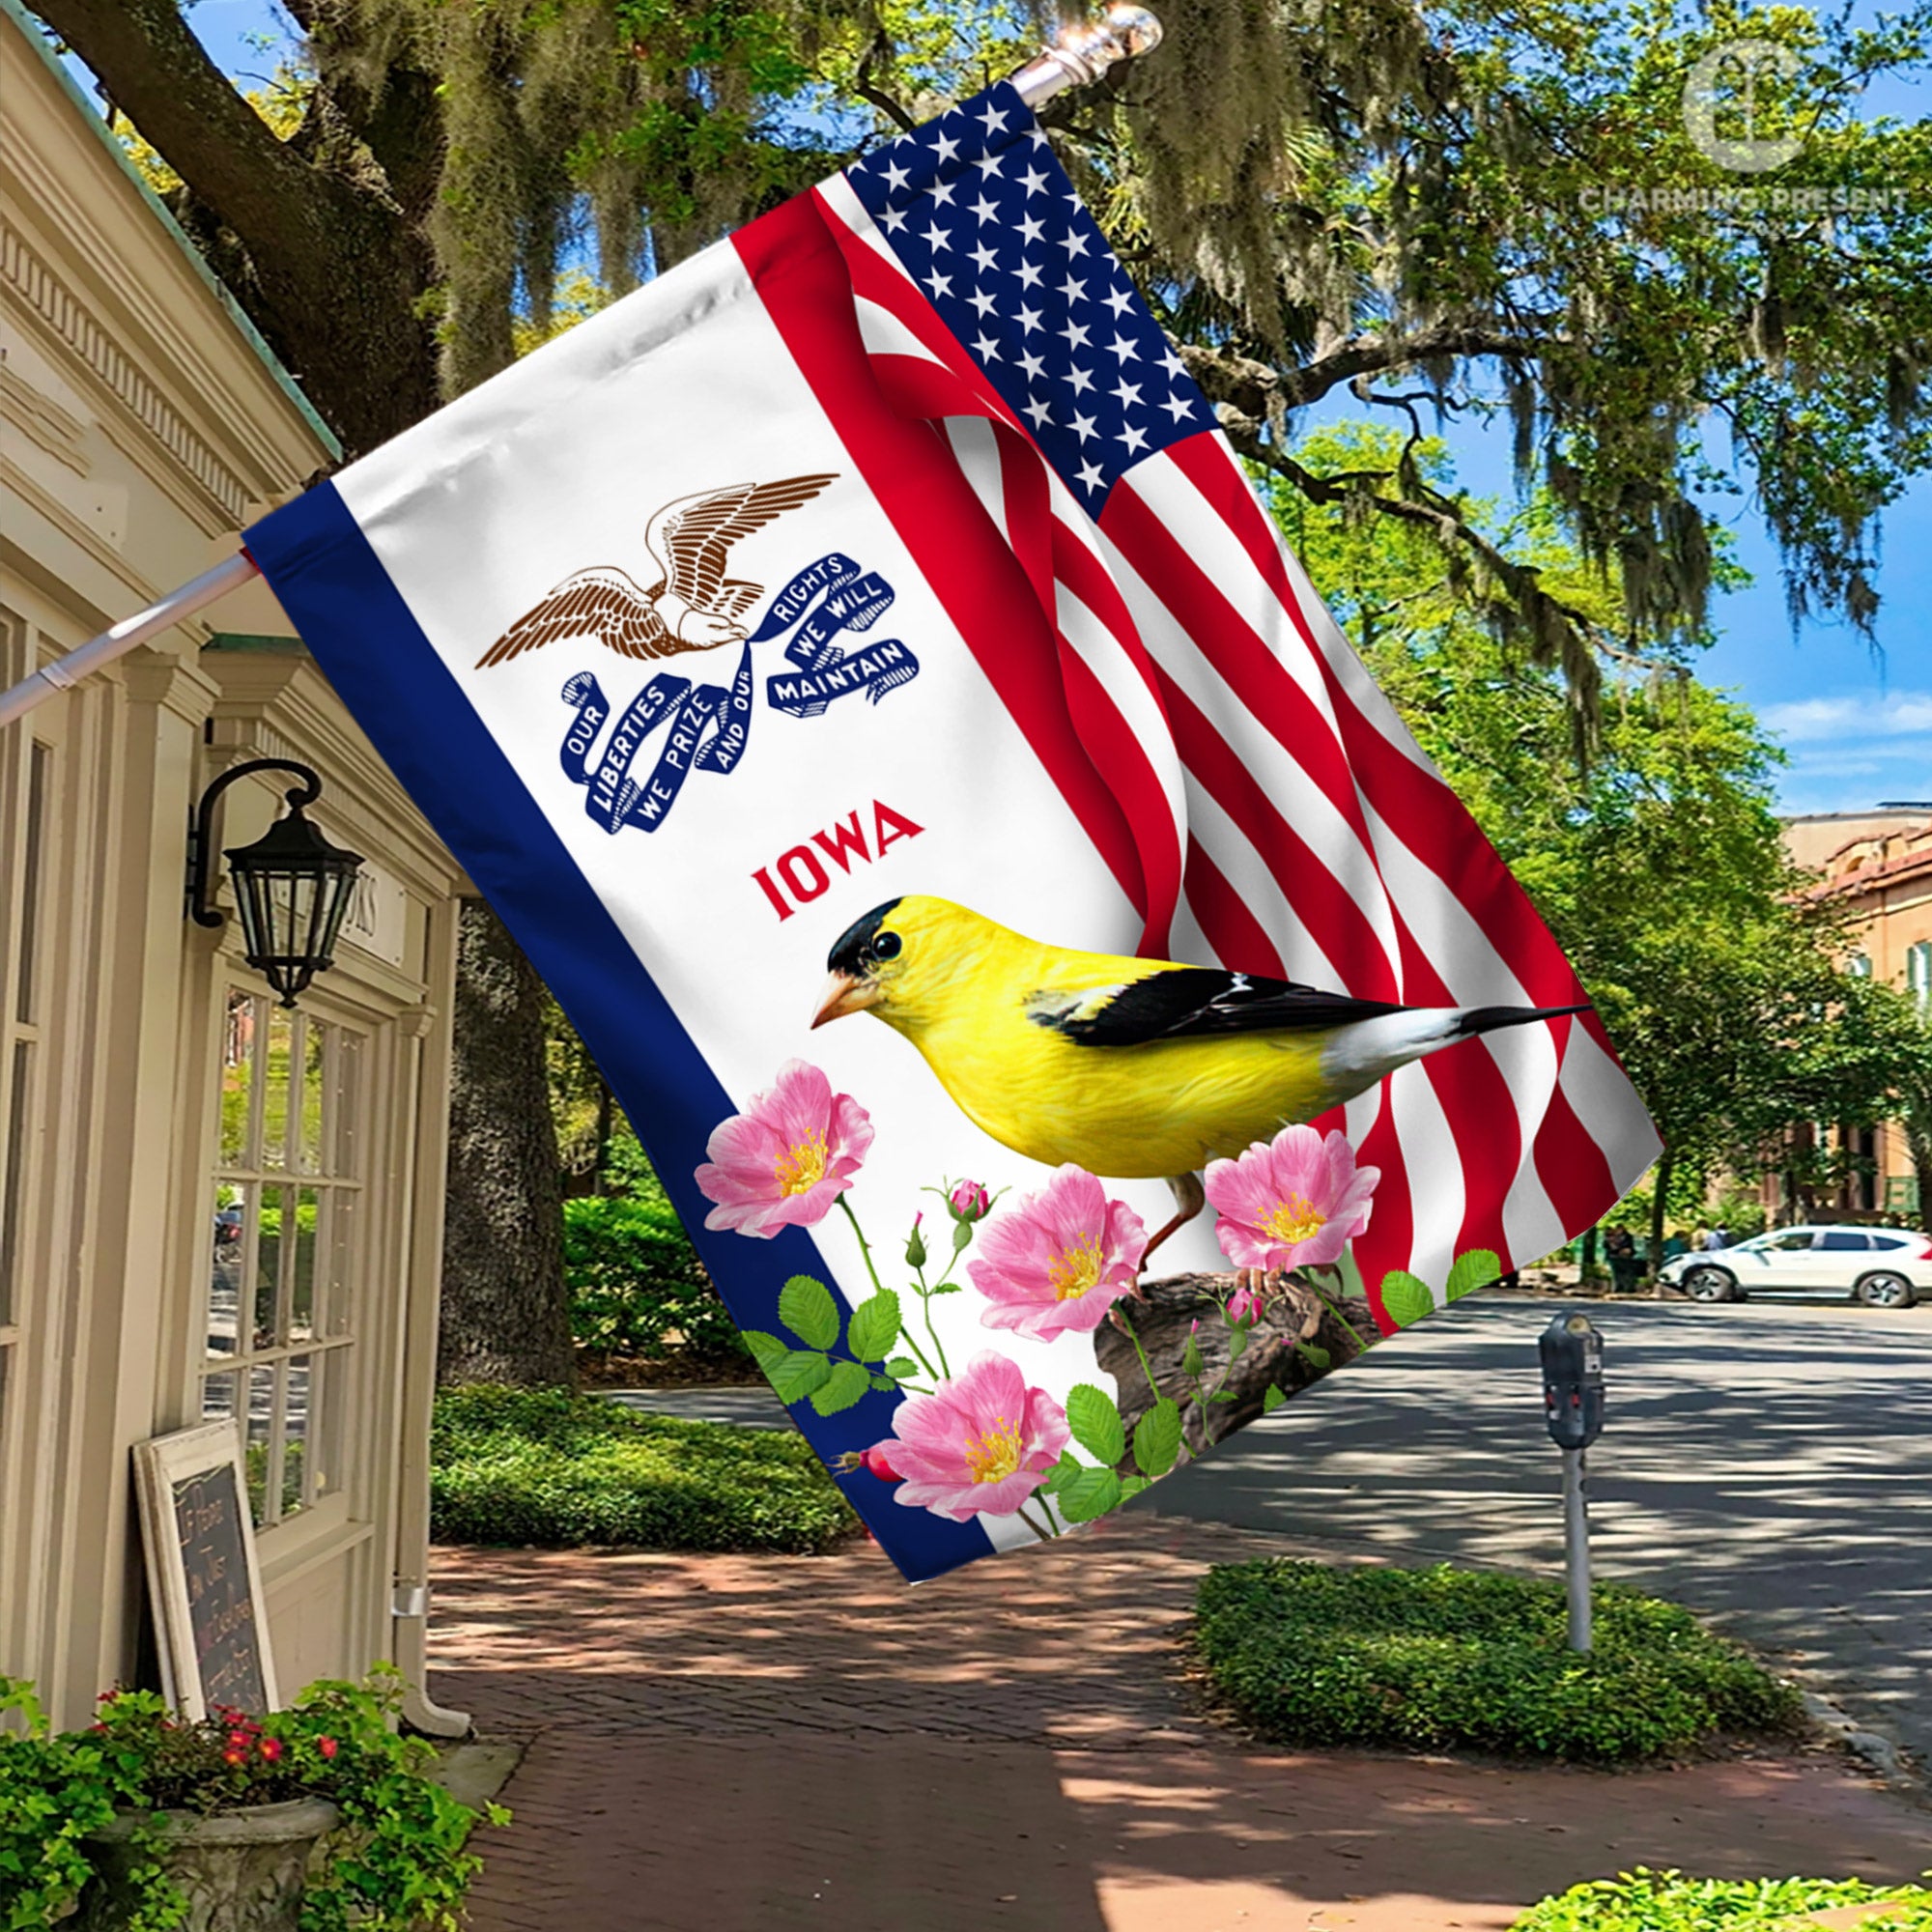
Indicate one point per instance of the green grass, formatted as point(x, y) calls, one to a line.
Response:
point(1307, 1653)
point(1645, 1901)
point(545, 1468)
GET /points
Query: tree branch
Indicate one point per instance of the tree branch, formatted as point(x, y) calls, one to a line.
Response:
point(1259, 390)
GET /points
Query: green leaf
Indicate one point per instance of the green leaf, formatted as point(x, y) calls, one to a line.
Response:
point(799, 1374)
point(1132, 1485)
point(1095, 1423)
point(885, 1382)
point(767, 1350)
point(1405, 1299)
point(875, 1326)
point(1062, 1472)
point(1221, 1395)
point(1191, 1363)
point(1478, 1269)
point(1237, 1340)
point(807, 1308)
point(944, 1287)
point(1316, 1356)
point(842, 1388)
point(1157, 1438)
point(1273, 1399)
point(902, 1368)
point(1092, 1494)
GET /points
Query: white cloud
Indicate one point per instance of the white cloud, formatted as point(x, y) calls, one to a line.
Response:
point(1836, 719)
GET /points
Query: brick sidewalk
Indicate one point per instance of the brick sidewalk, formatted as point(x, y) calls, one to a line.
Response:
point(723, 1744)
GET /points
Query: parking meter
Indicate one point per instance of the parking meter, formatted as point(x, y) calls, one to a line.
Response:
point(1573, 1408)
point(1572, 1381)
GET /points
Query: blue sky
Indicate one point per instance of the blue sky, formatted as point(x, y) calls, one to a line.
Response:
point(1856, 723)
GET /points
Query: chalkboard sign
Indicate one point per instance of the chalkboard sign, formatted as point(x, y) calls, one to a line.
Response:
point(201, 1573)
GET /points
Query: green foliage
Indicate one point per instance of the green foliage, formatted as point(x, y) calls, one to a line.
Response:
point(637, 1287)
point(1312, 1655)
point(1095, 1423)
point(810, 1311)
point(545, 1468)
point(1667, 1901)
point(398, 1864)
point(1406, 1298)
point(805, 1306)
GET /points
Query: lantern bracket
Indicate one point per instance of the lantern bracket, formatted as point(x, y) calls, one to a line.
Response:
point(201, 906)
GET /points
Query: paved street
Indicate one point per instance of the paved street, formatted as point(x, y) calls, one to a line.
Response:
point(1770, 1463)
point(742, 1744)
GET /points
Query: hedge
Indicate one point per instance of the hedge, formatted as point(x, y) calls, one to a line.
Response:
point(1647, 1901)
point(1309, 1654)
point(560, 1470)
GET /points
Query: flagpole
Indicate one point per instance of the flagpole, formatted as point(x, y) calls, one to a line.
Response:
point(51, 679)
point(1078, 57)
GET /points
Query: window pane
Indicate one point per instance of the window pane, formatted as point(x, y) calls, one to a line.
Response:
point(298, 1395)
point(309, 1128)
point(271, 1239)
point(345, 1159)
point(12, 1204)
point(328, 1399)
point(237, 1078)
point(275, 1093)
point(344, 1212)
point(260, 1431)
point(301, 1286)
point(225, 1264)
point(217, 1398)
point(1843, 1244)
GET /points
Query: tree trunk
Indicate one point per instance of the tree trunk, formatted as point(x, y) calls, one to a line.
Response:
point(1296, 1319)
point(504, 1313)
point(1666, 1161)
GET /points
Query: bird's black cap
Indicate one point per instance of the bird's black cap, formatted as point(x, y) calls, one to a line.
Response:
point(854, 954)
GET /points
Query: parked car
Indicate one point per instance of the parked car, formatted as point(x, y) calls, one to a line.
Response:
point(1883, 1268)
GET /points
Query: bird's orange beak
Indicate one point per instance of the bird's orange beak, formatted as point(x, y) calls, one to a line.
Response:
point(844, 995)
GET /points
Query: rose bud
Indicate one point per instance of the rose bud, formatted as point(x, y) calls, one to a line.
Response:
point(969, 1201)
point(915, 1248)
point(874, 1459)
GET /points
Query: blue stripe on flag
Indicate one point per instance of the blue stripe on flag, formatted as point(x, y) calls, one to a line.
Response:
point(351, 616)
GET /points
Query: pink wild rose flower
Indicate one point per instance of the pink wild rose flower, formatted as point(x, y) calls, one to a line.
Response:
point(1295, 1201)
point(788, 1158)
point(1060, 1259)
point(981, 1443)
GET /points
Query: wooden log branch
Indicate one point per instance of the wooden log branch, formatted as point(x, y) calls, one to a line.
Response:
point(1285, 1350)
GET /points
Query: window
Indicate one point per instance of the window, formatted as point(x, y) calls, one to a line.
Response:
point(1841, 1241)
point(1790, 1241)
point(283, 1238)
point(1859, 966)
point(20, 1036)
point(1892, 1242)
point(1918, 975)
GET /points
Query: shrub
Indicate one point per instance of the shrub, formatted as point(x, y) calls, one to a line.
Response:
point(1647, 1901)
point(397, 1865)
point(637, 1287)
point(1312, 1655)
point(544, 1467)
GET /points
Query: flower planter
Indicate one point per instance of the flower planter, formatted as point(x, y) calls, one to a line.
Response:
point(239, 1872)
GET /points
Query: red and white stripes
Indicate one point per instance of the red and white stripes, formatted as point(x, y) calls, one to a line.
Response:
point(1236, 766)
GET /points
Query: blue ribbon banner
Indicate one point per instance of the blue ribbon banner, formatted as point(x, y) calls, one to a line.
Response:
point(707, 726)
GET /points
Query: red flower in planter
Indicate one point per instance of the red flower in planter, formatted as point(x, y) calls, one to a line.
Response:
point(271, 1748)
point(327, 1747)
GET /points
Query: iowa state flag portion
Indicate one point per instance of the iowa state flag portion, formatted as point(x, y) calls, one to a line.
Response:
point(862, 677)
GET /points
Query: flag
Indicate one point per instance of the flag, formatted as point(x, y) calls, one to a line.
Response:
point(883, 551)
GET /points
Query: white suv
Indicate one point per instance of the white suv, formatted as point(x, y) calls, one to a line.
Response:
point(1883, 1268)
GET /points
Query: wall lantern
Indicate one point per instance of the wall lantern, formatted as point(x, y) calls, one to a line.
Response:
point(292, 887)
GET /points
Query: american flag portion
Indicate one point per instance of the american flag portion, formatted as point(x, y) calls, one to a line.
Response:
point(1270, 810)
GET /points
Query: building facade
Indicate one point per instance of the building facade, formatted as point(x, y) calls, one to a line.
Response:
point(1882, 873)
point(211, 1207)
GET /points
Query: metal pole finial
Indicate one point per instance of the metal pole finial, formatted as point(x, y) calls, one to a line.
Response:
point(1081, 55)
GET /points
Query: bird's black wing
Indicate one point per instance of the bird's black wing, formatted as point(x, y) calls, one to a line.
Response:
point(1196, 1001)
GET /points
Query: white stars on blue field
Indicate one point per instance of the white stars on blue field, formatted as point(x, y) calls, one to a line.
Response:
point(985, 222)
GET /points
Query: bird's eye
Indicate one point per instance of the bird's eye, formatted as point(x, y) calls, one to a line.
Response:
point(886, 945)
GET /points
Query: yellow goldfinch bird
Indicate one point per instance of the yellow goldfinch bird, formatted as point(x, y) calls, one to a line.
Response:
point(1127, 1068)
